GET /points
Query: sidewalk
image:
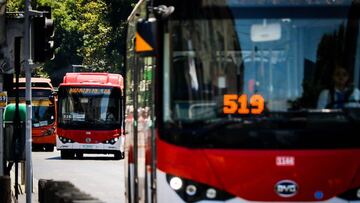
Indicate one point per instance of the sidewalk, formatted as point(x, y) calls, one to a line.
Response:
point(22, 194)
point(22, 198)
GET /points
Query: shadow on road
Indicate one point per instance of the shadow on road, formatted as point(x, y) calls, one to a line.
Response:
point(94, 158)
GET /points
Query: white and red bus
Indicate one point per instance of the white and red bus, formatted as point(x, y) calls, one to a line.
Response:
point(226, 110)
point(90, 115)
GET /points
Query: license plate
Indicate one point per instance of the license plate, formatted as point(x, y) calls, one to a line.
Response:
point(88, 146)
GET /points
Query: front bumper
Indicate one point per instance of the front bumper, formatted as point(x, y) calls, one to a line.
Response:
point(48, 139)
point(117, 146)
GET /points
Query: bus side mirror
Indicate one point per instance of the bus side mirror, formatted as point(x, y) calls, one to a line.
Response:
point(52, 97)
point(146, 37)
point(146, 42)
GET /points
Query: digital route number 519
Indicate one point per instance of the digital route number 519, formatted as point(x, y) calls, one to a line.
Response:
point(239, 104)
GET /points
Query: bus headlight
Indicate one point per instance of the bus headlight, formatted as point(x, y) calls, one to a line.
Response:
point(111, 141)
point(49, 131)
point(65, 140)
point(175, 183)
point(191, 191)
point(211, 193)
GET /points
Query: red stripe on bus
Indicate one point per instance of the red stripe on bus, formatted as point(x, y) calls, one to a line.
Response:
point(253, 174)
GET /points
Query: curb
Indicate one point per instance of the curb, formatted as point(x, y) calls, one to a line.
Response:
point(51, 191)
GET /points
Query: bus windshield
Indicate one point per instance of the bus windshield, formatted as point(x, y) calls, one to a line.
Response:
point(43, 110)
point(85, 107)
point(261, 58)
point(43, 113)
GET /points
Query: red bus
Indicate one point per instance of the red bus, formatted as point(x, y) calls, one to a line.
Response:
point(43, 112)
point(90, 115)
point(223, 102)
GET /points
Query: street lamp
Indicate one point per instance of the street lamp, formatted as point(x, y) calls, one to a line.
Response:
point(77, 66)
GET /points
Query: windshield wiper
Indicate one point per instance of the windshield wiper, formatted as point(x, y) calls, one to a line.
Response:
point(317, 115)
point(217, 124)
point(352, 114)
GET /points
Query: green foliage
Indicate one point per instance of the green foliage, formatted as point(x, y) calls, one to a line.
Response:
point(88, 32)
point(15, 5)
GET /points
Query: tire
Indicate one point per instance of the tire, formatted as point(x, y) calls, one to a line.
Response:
point(36, 148)
point(49, 148)
point(67, 154)
point(79, 155)
point(118, 155)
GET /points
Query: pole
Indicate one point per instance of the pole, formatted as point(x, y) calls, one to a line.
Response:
point(28, 66)
point(135, 128)
point(2, 162)
point(16, 120)
point(2, 41)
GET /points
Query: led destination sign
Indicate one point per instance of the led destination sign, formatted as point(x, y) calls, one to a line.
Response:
point(89, 91)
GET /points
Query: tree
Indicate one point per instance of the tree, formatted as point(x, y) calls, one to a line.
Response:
point(88, 32)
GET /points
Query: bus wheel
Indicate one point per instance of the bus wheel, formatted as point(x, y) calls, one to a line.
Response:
point(79, 155)
point(118, 155)
point(49, 148)
point(36, 148)
point(65, 154)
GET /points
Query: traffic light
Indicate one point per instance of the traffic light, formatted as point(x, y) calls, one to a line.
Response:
point(43, 36)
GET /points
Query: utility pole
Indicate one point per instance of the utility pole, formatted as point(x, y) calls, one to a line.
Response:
point(35, 29)
point(28, 68)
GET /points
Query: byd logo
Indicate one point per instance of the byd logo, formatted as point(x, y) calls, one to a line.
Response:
point(286, 188)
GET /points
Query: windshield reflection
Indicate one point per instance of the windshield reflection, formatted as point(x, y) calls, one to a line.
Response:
point(288, 61)
point(89, 106)
point(43, 115)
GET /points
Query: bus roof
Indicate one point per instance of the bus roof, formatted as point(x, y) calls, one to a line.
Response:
point(93, 78)
point(36, 82)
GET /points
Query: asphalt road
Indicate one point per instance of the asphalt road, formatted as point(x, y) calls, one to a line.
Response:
point(97, 175)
